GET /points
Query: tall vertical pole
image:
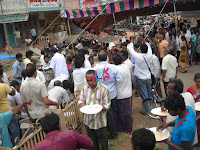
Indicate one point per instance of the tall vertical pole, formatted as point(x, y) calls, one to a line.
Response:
point(70, 33)
point(115, 25)
point(5, 30)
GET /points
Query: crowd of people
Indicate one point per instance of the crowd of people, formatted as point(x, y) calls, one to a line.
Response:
point(105, 75)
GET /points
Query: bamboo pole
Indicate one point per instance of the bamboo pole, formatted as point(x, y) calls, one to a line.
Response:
point(175, 13)
point(153, 23)
point(45, 29)
point(115, 25)
point(86, 27)
point(70, 33)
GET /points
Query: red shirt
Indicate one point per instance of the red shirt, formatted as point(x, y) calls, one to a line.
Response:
point(70, 140)
point(69, 66)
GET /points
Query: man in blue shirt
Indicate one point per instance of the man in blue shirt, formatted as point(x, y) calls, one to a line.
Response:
point(5, 119)
point(17, 68)
point(33, 34)
point(109, 75)
point(185, 125)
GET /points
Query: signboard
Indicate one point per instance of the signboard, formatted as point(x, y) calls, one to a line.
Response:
point(90, 5)
point(43, 5)
point(11, 7)
point(14, 18)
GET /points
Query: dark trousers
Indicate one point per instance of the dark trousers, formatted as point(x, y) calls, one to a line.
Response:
point(99, 136)
point(165, 87)
point(178, 55)
point(112, 118)
point(13, 129)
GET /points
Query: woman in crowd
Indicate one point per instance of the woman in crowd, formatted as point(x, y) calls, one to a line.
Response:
point(195, 91)
point(184, 55)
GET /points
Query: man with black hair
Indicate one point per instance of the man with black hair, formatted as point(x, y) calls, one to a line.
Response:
point(86, 61)
point(69, 64)
point(176, 85)
point(35, 90)
point(143, 139)
point(126, 60)
point(58, 63)
point(142, 71)
point(17, 68)
point(169, 67)
point(109, 75)
point(29, 54)
point(124, 93)
point(15, 100)
point(94, 92)
point(56, 140)
point(184, 126)
point(58, 94)
point(91, 60)
point(79, 73)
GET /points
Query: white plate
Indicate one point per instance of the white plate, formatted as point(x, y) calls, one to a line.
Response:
point(165, 133)
point(91, 109)
point(158, 112)
point(197, 106)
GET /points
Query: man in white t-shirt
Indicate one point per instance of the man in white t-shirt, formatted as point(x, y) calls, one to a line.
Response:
point(58, 94)
point(79, 73)
point(169, 67)
point(124, 93)
point(17, 37)
point(176, 85)
point(58, 63)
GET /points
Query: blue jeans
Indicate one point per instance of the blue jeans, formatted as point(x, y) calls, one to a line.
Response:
point(144, 88)
point(13, 129)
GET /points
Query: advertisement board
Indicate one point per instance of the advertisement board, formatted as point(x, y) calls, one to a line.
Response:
point(11, 7)
point(14, 18)
point(43, 5)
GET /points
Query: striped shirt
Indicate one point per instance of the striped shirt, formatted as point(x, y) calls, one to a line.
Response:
point(100, 95)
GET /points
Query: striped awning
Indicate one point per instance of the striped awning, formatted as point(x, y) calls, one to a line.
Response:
point(113, 8)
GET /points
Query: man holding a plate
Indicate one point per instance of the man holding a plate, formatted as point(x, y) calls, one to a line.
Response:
point(95, 94)
point(184, 126)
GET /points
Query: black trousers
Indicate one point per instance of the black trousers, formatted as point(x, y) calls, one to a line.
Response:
point(165, 87)
point(99, 136)
point(112, 119)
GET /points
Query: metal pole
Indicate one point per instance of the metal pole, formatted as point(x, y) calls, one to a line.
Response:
point(5, 30)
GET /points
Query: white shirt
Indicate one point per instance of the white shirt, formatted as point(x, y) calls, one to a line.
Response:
point(124, 89)
point(40, 76)
point(58, 94)
point(61, 78)
point(79, 77)
point(129, 64)
point(42, 62)
point(14, 100)
point(17, 34)
point(169, 63)
point(189, 101)
point(5, 79)
point(178, 42)
point(155, 66)
point(87, 64)
point(79, 46)
point(167, 35)
point(141, 68)
point(58, 64)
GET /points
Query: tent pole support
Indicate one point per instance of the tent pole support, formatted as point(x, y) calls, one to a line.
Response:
point(115, 25)
point(70, 33)
point(175, 14)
